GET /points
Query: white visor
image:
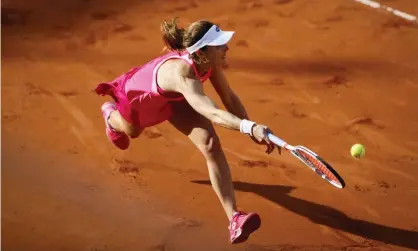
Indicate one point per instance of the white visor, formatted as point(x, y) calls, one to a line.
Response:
point(214, 37)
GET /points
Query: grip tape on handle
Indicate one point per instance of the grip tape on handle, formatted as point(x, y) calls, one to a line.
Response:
point(276, 140)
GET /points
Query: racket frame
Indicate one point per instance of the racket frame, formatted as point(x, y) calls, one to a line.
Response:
point(293, 150)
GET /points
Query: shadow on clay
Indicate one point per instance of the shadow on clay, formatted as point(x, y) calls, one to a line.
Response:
point(328, 216)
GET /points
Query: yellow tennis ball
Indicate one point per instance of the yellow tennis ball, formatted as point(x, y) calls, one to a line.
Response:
point(358, 151)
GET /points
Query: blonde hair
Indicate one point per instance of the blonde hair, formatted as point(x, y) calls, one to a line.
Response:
point(178, 39)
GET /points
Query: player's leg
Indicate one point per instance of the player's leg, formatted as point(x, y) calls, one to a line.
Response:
point(118, 130)
point(201, 132)
point(117, 122)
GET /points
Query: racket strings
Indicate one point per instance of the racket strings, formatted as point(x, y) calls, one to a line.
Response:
point(319, 166)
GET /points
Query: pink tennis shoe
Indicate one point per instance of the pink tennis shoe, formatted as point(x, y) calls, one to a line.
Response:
point(119, 139)
point(242, 225)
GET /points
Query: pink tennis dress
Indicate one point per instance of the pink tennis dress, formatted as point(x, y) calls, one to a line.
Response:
point(137, 95)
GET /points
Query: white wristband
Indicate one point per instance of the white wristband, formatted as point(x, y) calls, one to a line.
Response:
point(246, 127)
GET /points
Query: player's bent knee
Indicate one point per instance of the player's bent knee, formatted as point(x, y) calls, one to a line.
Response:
point(132, 131)
point(209, 145)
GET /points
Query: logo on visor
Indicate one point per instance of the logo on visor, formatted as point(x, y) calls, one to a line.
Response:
point(217, 29)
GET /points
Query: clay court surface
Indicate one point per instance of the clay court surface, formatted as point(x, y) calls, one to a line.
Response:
point(325, 74)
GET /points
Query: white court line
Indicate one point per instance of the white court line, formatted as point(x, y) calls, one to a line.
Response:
point(396, 12)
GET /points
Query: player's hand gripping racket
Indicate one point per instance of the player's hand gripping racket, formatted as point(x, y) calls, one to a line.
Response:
point(312, 160)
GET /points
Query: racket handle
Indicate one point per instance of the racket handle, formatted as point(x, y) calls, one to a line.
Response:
point(276, 140)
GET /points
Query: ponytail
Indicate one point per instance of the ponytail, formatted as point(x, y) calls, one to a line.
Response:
point(172, 35)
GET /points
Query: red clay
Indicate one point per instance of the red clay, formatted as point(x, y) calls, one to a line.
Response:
point(323, 74)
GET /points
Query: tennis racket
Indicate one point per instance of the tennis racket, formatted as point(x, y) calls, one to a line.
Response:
point(312, 160)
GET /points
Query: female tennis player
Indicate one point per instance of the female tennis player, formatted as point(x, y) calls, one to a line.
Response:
point(169, 88)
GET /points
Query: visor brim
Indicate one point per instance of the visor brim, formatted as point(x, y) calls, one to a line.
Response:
point(224, 38)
